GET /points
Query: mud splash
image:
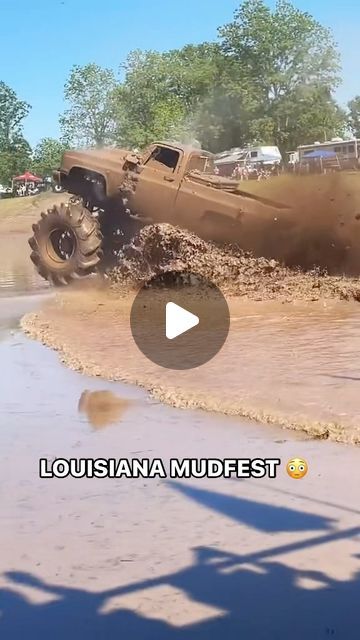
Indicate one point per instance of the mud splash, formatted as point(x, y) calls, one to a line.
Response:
point(161, 248)
point(320, 224)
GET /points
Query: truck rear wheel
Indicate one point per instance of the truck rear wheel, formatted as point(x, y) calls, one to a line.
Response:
point(66, 243)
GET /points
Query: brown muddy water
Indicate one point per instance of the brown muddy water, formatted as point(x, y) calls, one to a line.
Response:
point(17, 275)
point(290, 364)
point(36, 389)
point(157, 558)
point(293, 365)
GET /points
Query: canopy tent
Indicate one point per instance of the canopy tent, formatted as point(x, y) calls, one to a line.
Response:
point(320, 153)
point(27, 177)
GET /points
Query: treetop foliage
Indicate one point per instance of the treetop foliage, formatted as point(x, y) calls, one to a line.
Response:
point(268, 79)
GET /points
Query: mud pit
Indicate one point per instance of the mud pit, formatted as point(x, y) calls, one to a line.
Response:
point(290, 358)
point(165, 559)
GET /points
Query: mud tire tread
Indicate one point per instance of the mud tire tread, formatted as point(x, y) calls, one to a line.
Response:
point(87, 253)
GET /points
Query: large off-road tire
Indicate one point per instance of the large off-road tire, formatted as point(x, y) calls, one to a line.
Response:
point(66, 243)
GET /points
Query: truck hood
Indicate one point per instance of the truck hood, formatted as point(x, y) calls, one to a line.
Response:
point(96, 159)
point(231, 186)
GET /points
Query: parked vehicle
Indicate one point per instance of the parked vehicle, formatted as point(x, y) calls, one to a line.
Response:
point(5, 192)
point(251, 157)
point(341, 154)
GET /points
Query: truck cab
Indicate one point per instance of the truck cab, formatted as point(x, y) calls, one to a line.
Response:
point(160, 173)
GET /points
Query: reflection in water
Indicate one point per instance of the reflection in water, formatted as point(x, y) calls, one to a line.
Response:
point(102, 408)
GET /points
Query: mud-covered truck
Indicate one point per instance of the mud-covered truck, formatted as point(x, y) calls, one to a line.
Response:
point(115, 192)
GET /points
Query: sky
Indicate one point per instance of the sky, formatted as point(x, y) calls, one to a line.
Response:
point(41, 40)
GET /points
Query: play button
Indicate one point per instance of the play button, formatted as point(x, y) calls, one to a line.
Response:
point(179, 320)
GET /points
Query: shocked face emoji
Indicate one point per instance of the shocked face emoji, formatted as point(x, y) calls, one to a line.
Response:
point(297, 468)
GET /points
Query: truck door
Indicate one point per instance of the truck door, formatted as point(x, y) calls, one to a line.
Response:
point(157, 184)
point(210, 212)
point(193, 199)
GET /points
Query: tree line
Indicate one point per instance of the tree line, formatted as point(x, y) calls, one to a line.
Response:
point(269, 78)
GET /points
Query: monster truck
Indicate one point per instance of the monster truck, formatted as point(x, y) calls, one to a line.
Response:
point(115, 192)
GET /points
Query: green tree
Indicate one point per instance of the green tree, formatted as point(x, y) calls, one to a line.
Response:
point(161, 93)
point(270, 80)
point(15, 152)
point(15, 158)
point(289, 62)
point(90, 118)
point(354, 116)
point(47, 156)
point(12, 113)
point(307, 115)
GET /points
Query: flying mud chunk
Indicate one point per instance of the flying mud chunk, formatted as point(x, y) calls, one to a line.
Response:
point(160, 248)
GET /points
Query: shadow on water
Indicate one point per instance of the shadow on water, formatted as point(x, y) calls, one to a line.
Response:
point(354, 378)
point(262, 516)
point(312, 499)
point(258, 596)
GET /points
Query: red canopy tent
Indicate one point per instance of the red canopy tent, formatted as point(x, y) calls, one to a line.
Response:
point(27, 177)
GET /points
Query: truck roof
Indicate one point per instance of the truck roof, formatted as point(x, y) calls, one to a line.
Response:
point(115, 153)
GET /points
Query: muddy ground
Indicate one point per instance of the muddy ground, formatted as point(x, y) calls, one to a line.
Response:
point(290, 356)
point(18, 214)
point(164, 559)
point(173, 559)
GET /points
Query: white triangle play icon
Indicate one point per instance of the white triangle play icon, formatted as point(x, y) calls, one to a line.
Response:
point(178, 320)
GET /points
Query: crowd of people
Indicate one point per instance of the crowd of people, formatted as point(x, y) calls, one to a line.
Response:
point(22, 188)
point(26, 189)
point(253, 172)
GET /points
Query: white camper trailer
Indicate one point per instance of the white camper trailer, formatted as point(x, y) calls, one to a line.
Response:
point(268, 156)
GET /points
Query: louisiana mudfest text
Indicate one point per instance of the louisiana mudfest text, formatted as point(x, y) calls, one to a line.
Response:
point(156, 468)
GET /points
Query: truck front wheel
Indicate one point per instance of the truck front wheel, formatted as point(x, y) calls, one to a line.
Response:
point(66, 243)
